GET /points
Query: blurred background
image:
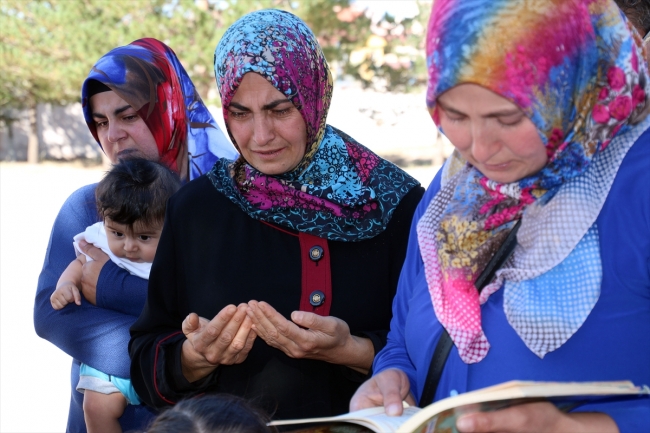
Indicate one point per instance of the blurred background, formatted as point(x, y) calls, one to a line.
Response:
point(376, 53)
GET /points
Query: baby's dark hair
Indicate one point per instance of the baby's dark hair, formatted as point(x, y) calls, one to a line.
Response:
point(136, 189)
point(212, 413)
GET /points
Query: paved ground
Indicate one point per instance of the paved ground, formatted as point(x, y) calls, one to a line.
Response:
point(34, 395)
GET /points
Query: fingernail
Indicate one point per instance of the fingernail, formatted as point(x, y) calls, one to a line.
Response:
point(392, 409)
point(465, 424)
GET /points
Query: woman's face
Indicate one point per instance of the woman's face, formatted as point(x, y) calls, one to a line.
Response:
point(120, 129)
point(491, 133)
point(269, 130)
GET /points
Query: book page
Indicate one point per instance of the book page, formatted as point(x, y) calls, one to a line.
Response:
point(374, 418)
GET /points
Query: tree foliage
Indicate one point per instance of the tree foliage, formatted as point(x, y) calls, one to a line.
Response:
point(48, 46)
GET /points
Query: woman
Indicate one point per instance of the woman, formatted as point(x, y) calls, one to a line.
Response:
point(138, 101)
point(544, 101)
point(306, 224)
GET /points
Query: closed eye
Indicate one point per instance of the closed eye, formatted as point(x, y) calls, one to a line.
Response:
point(282, 112)
point(510, 120)
point(238, 115)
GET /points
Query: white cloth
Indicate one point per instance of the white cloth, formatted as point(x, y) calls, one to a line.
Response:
point(96, 235)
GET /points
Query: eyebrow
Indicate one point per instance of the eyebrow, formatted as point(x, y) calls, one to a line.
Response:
point(116, 112)
point(500, 113)
point(269, 106)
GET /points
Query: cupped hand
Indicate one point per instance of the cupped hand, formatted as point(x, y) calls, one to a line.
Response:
point(388, 388)
point(91, 269)
point(540, 417)
point(225, 340)
point(308, 335)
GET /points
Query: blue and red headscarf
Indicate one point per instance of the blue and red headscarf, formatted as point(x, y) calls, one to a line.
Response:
point(340, 190)
point(148, 75)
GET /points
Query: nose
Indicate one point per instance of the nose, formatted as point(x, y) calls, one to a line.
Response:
point(115, 132)
point(263, 132)
point(130, 244)
point(485, 143)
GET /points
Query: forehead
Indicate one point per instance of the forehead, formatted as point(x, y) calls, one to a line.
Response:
point(255, 88)
point(137, 228)
point(106, 102)
point(475, 98)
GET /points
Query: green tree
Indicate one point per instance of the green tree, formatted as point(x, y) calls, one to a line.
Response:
point(48, 46)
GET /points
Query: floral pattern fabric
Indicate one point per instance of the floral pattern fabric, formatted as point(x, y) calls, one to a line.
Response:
point(576, 70)
point(340, 190)
point(148, 75)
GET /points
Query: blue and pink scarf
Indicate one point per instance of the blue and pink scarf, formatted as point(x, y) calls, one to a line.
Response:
point(576, 69)
point(340, 190)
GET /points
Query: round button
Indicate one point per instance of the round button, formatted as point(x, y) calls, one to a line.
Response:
point(316, 298)
point(316, 253)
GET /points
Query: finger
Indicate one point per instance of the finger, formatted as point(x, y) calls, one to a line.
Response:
point(222, 329)
point(502, 420)
point(56, 303)
point(76, 295)
point(392, 401)
point(241, 337)
point(92, 251)
point(274, 328)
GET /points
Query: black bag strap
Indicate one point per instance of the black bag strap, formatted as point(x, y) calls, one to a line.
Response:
point(441, 353)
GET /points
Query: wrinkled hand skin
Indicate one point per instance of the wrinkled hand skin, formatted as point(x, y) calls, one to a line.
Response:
point(308, 335)
point(225, 340)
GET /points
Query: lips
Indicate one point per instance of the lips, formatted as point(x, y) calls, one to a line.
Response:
point(126, 153)
point(269, 153)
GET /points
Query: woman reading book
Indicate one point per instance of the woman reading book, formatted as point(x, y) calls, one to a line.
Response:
point(544, 102)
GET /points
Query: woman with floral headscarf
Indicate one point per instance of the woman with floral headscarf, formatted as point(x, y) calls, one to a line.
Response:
point(544, 101)
point(275, 273)
point(137, 101)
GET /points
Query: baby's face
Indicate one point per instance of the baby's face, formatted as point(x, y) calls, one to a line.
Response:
point(137, 245)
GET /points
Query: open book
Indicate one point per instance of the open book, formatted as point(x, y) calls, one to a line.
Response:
point(441, 415)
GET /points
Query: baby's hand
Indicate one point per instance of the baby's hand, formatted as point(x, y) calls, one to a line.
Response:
point(65, 293)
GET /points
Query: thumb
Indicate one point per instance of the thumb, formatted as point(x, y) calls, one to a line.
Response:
point(190, 324)
point(305, 319)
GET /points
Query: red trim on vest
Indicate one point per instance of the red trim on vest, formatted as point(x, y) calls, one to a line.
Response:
point(155, 367)
point(316, 275)
point(279, 228)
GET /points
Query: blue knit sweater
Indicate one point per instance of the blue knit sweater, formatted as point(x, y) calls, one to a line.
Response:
point(612, 344)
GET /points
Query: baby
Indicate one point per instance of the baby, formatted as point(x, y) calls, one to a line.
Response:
point(131, 200)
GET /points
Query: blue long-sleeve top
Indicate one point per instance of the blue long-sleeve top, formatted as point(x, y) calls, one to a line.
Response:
point(95, 335)
point(612, 344)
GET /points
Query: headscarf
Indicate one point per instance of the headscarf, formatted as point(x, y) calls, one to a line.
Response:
point(340, 190)
point(148, 76)
point(577, 72)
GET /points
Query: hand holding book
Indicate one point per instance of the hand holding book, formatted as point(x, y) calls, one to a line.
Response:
point(508, 407)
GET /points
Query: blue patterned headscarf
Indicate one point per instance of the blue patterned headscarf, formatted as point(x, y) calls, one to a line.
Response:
point(148, 76)
point(340, 190)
